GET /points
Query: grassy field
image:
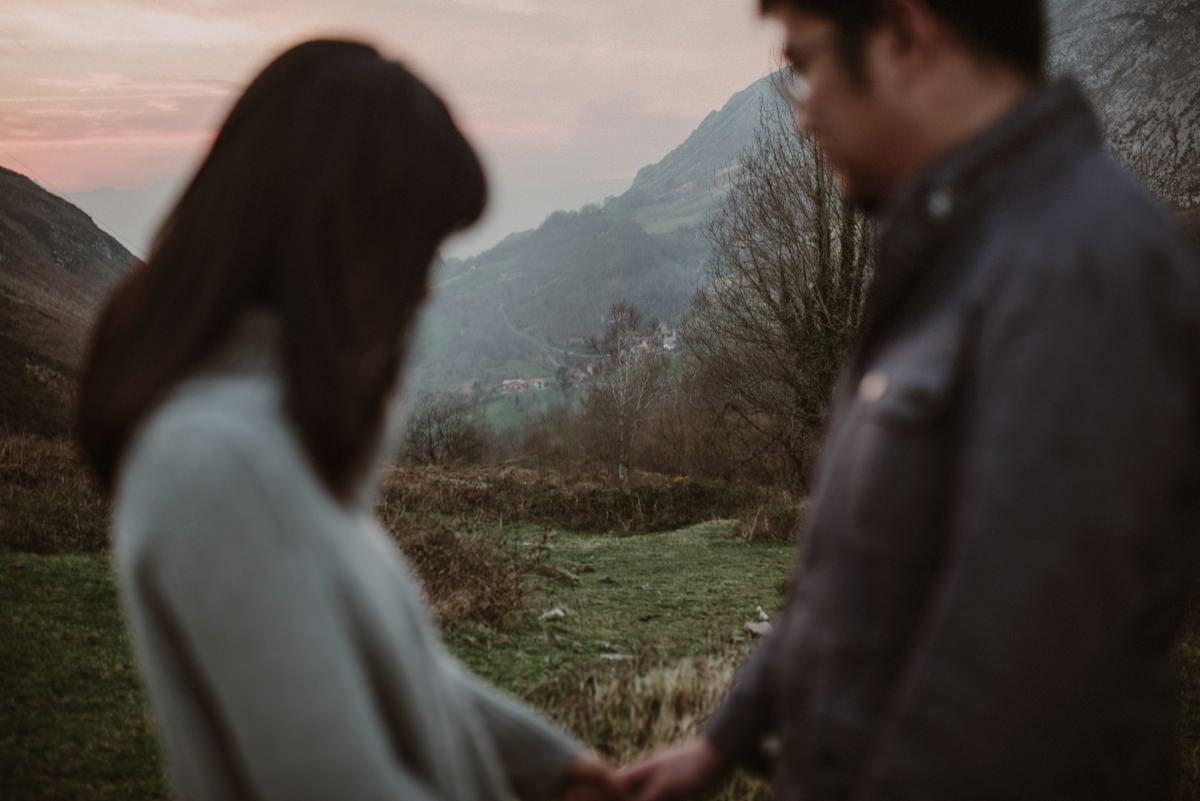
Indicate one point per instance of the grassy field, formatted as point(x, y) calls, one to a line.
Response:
point(513, 411)
point(73, 722)
point(654, 598)
point(651, 628)
point(648, 619)
point(517, 368)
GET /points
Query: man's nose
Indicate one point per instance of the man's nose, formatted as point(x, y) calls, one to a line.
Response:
point(799, 94)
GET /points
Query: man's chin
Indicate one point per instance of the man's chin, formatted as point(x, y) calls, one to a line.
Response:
point(870, 203)
point(862, 194)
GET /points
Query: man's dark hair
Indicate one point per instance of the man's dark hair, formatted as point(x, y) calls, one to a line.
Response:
point(1010, 31)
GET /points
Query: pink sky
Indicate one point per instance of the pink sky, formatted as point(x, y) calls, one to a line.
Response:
point(124, 93)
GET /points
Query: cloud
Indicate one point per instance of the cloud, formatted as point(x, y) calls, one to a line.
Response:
point(553, 91)
point(523, 8)
point(112, 84)
point(100, 110)
point(38, 26)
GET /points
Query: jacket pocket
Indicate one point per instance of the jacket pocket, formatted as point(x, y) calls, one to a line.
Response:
point(908, 396)
point(899, 463)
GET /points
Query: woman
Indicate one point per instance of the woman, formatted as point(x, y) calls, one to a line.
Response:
point(234, 403)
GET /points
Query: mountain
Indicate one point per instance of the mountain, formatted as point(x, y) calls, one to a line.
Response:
point(532, 301)
point(55, 267)
point(131, 216)
point(539, 295)
point(1139, 61)
point(683, 188)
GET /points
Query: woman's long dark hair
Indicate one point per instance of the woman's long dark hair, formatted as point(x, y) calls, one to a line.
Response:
point(324, 199)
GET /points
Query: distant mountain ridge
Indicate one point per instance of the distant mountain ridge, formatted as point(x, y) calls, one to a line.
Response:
point(539, 294)
point(56, 265)
point(538, 291)
point(699, 167)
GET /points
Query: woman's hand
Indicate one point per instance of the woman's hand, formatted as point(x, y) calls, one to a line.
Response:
point(590, 779)
point(677, 773)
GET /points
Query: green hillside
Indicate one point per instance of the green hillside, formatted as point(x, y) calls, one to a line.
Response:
point(538, 295)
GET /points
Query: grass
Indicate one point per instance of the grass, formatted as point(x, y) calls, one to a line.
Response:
point(518, 368)
point(659, 598)
point(651, 633)
point(72, 719)
point(74, 726)
point(513, 411)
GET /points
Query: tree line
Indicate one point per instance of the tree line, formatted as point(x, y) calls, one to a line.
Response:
point(748, 396)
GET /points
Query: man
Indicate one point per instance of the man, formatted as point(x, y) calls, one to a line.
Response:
point(1003, 532)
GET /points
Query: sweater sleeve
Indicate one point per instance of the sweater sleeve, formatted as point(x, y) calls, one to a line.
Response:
point(536, 754)
point(257, 627)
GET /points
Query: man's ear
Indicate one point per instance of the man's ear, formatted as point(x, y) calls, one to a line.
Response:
point(916, 33)
point(898, 16)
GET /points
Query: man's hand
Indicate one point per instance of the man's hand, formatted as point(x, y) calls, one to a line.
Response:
point(678, 773)
point(590, 779)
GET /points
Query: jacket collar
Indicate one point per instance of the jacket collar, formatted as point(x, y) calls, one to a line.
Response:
point(1043, 131)
point(1051, 118)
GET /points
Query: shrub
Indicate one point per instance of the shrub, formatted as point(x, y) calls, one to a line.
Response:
point(466, 575)
point(445, 429)
point(627, 709)
point(773, 522)
point(35, 393)
point(524, 496)
point(48, 504)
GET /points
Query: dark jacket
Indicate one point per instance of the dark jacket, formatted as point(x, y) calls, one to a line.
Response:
point(1004, 527)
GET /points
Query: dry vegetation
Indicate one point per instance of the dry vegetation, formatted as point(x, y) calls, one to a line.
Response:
point(47, 502)
point(444, 519)
point(631, 708)
point(579, 501)
point(466, 574)
point(71, 682)
point(486, 586)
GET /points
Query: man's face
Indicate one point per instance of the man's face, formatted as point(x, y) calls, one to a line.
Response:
point(848, 114)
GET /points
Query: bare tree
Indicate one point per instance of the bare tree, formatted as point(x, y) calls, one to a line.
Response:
point(791, 261)
point(632, 376)
point(444, 429)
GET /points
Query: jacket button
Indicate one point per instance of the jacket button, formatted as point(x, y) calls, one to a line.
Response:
point(941, 203)
point(872, 387)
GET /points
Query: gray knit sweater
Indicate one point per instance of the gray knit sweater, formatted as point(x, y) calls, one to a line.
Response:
point(284, 643)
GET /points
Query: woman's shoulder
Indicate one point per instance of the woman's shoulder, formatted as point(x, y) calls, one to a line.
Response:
point(216, 451)
point(202, 424)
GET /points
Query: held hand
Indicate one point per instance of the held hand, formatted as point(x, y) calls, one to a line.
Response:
point(590, 779)
point(678, 773)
